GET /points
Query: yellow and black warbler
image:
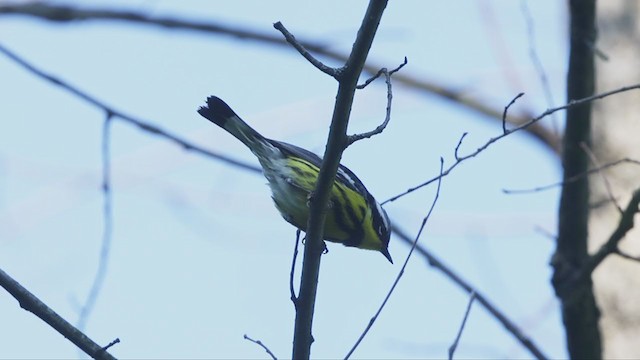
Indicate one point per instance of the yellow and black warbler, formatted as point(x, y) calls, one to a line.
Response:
point(354, 218)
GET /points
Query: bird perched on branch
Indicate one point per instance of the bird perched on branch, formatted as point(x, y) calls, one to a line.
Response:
point(354, 217)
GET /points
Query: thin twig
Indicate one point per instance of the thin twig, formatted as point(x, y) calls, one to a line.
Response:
point(583, 275)
point(454, 346)
point(111, 344)
point(607, 184)
point(455, 153)
point(292, 290)
point(258, 342)
point(31, 303)
point(107, 215)
point(401, 273)
point(624, 255)
point(335, 73)
point(380, 72)
point(141, 124)
point(573, 178)
point(548, 112)
point(506, 109)
point(356, 137)
point(500, 316)
point(537, 63)
point(353, 138)
point(596, 51)
point(544, 232)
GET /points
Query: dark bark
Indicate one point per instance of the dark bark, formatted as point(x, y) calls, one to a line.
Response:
point(579, 309)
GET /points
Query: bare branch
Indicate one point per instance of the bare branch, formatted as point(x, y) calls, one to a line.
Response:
point(567, 290)
point(626, 223)
point(506, 109)
point(439, 265)
point(624, 255)
point(335, 73)
point(546, 233)
point(294, 298)
point(258, 342)
point(596, 51)
point(31, 303)
point(607, 185)
point(571, 179)
point(59, 13)
point(380, 72)
point(452, 348)
point(141, 124)
point(489, 142)
point(356, 137)
point(336, 142)
point(111, 344)
point(401, 273)
point(107, 214)
point(455, 153)
point(537, 63)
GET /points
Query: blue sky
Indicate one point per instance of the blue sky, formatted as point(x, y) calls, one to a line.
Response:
point(200, 256)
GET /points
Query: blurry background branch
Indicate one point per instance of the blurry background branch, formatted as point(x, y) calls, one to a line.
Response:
point(119, 115)
point(62, 13)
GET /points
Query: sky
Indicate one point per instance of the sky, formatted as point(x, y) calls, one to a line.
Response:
point(199, 255)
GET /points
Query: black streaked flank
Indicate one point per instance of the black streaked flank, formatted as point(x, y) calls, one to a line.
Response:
point(339, 217)
point(353, 217)
point(301, 170)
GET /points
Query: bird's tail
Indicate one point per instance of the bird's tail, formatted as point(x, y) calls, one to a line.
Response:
point(219, 113)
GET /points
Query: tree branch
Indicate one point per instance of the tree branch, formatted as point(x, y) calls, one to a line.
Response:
point(454, 345)
point(318, 203)
point(259, 343)
point(107, 218)
point(380, 128)
point(569, 105)
point(116, 114)
point(508, 324)
point(401, 273)
point(573, 178)
point(31, 303)
point(335, 73)
point(61, 13)
point(568, 290)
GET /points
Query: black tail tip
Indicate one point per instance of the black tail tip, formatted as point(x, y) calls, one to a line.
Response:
point(216, 110)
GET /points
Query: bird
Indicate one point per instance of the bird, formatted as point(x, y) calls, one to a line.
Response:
point(354, 218)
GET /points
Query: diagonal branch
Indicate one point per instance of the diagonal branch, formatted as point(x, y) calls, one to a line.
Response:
point(31, 303)
point(335, 73)
point(439, 265)
point(589, 172)
point(116, 114)
point(262, 345)
point(61, 13)
point(401, 273)
point(456, 341)
point(569, 105)
point(611, 246)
